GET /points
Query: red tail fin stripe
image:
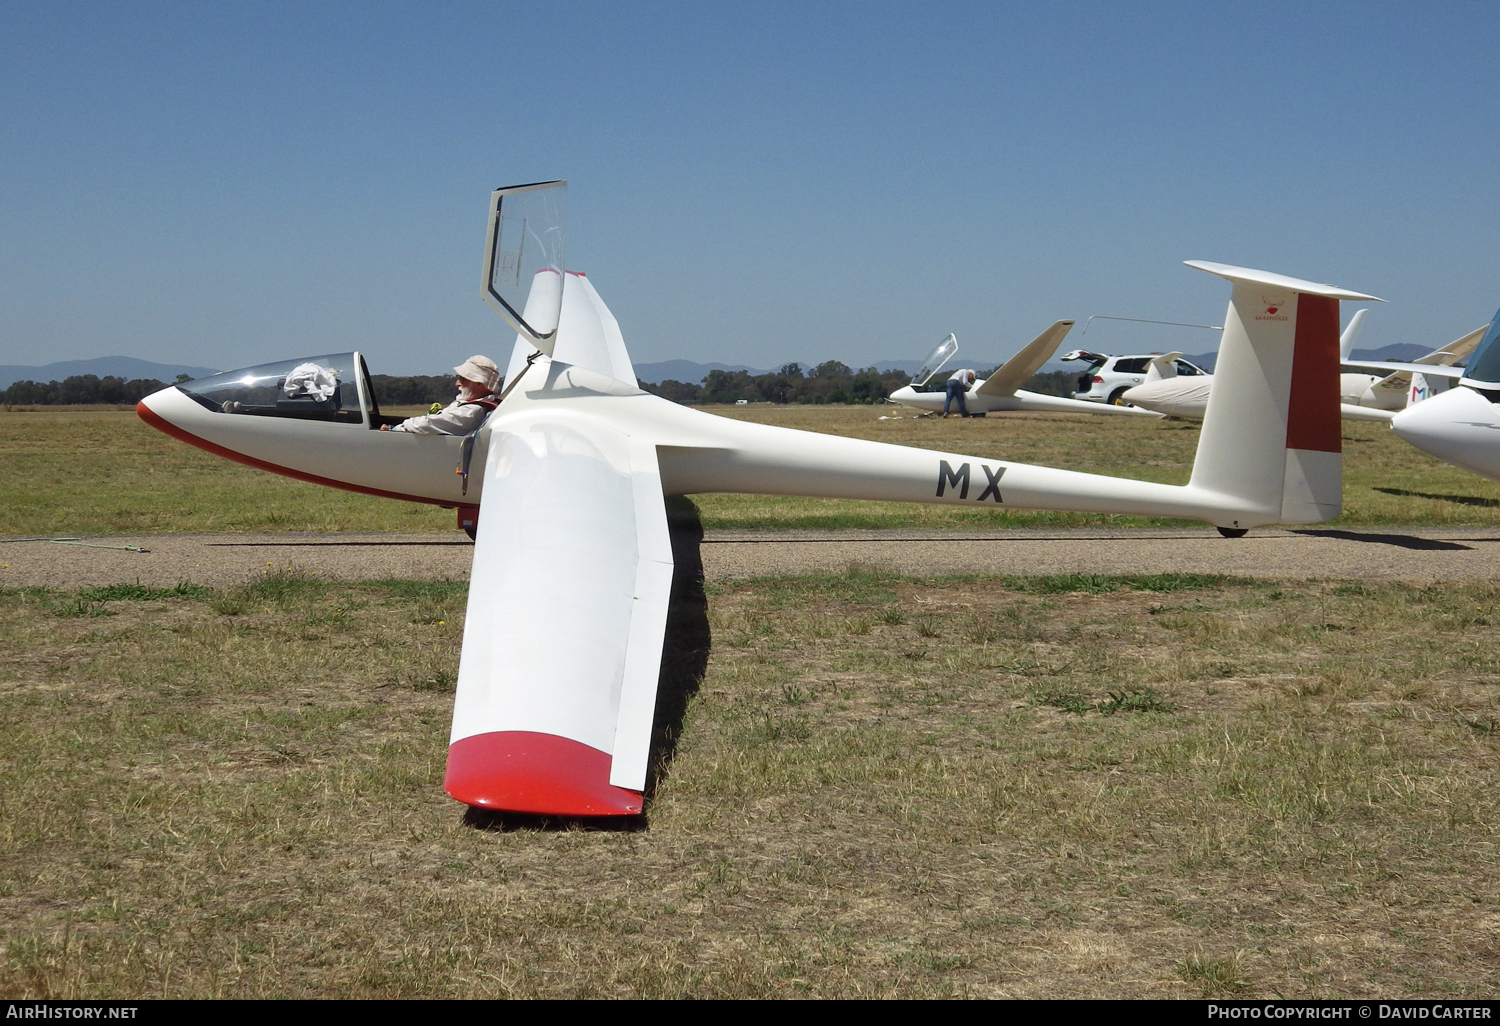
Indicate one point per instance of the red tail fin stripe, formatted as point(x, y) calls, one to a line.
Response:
point(1312, 420)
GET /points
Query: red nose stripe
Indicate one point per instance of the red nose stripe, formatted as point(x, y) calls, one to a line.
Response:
point(522, 771)
point(1312, 421)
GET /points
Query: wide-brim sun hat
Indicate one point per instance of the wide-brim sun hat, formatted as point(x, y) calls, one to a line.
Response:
point(480, 369)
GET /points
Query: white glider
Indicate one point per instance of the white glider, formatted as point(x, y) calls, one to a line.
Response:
point(1001, 391)
point(1460, 425)
point(572, 564)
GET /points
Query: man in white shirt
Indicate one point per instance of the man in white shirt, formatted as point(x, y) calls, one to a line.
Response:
point(959, 384)
point(478, 381)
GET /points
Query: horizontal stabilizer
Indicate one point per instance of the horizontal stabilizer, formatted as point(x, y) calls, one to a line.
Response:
point(1278, 281)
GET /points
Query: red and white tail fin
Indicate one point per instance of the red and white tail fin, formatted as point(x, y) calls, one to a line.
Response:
point(1271, 435)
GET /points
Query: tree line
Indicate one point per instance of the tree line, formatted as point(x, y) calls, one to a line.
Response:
point(92, 390)
point(828, 382)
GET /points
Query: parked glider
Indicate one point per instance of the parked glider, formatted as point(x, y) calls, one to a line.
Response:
point(1173, 395)
point(1460, 425)
point(1001, 391)
point(572, 565)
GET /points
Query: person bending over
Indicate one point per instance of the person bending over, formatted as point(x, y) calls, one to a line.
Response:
point(958, 385)
point(478, 381)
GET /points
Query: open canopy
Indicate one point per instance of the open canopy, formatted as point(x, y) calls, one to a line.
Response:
point(523, 262)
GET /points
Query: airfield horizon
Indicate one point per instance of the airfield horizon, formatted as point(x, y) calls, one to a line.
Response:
point(105, 472)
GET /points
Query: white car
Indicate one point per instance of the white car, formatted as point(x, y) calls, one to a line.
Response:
point(1109, 377)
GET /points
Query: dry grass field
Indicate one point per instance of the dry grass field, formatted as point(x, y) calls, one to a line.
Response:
point(884, 786)
point(106, 472)
point(868, 785)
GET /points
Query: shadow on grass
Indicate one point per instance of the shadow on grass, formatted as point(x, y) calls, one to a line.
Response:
point(684, 655)
point(509, 822)
point(1405, 541)
point(684, 658)
point(1466, 500)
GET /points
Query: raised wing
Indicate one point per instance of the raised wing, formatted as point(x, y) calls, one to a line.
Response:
point(1390, 367)
point(1019, 368)
point(567, 611)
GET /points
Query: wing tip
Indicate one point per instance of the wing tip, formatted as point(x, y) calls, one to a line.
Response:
point(544, 774)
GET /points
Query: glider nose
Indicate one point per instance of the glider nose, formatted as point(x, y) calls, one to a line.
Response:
point(1461, 427)
point(153, 408)
point(904, 395)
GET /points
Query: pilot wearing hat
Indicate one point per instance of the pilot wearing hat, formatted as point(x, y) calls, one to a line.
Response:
point(478, 381)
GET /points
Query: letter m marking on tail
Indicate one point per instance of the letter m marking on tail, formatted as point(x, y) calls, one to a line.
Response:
point(958, 479)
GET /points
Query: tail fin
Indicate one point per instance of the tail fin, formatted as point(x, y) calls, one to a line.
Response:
point(1162, 367)
point(1271, 435)
point(1346, 340)
point(1024, 364)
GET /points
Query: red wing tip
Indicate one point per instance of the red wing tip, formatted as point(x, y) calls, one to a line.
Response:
point(525, 771)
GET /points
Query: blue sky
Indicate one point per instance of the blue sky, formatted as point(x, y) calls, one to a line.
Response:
point(223, 184)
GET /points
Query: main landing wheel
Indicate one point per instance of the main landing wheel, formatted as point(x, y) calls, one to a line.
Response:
point(1233, 532)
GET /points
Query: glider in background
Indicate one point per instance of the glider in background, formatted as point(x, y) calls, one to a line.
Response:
point(573, 565)
point(1460, 425)
point(1001, 391)
point(1361, 396)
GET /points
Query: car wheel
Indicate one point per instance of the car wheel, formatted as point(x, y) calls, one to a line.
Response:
point(1117, 397)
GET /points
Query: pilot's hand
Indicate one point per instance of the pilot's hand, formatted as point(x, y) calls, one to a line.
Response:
point(385, 427)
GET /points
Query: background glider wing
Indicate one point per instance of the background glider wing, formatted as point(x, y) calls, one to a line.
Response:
point(1435, 370)
point(567, 611)
point(1019, 368)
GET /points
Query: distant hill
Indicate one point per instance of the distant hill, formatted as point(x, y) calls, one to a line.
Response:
point(685, 371)
point(127, 367)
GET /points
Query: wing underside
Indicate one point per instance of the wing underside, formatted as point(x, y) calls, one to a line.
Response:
point(567, 610)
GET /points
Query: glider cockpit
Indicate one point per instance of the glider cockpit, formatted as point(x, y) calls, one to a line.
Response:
point(335, 389)
point(317, 419)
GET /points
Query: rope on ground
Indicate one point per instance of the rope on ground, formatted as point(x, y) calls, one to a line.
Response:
point(77, 541)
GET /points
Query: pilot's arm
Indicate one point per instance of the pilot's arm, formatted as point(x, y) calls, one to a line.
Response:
point(457, 418)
